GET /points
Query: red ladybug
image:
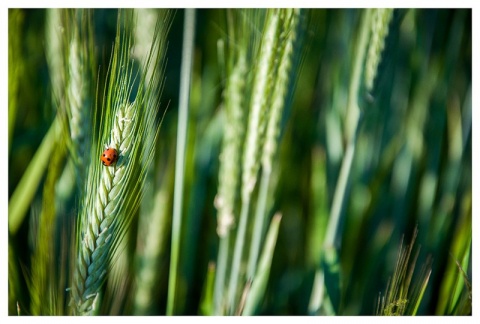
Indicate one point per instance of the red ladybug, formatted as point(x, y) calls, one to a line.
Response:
point(109, 156)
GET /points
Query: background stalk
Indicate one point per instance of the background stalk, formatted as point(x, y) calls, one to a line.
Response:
point(352, 125)
point(257, 124)
point(351, 128)
point(185, 77)
point(281, 88)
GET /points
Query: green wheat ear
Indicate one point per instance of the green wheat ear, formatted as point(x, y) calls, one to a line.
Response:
point(379, 31)
point(80, 73)
point(113, 193)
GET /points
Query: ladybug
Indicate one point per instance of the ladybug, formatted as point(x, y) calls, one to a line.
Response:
point(109, 156)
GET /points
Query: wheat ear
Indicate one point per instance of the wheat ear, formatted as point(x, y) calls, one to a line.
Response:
point(288, 36)
point(101, 215)
point(77, 99)
point(232, 143)
point(112, 193)
point(229, 173)
point(379, 31)
point(54, 49)
point(257, 122)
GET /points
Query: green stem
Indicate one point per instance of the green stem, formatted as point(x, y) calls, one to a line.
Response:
point(258, 225)
point(220, 273)
point(259, 283)
point(237, 254)
point(316, 298)
point(185, 79)
point(339, 196)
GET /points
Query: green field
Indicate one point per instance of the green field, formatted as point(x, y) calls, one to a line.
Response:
point(268, 162)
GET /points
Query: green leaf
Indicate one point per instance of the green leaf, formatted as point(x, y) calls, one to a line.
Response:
point(331, 267)
point(25, 191)
point(206, 303)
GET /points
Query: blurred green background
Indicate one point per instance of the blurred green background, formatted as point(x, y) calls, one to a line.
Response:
point(412, 166)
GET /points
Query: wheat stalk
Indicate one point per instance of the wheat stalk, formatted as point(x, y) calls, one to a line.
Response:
point(185, 80)
point(113, 193)
point(229, 171)
point(257, 121)
point(290, 19)
point(351, 128)
point(255, 136)
point(236, 68)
